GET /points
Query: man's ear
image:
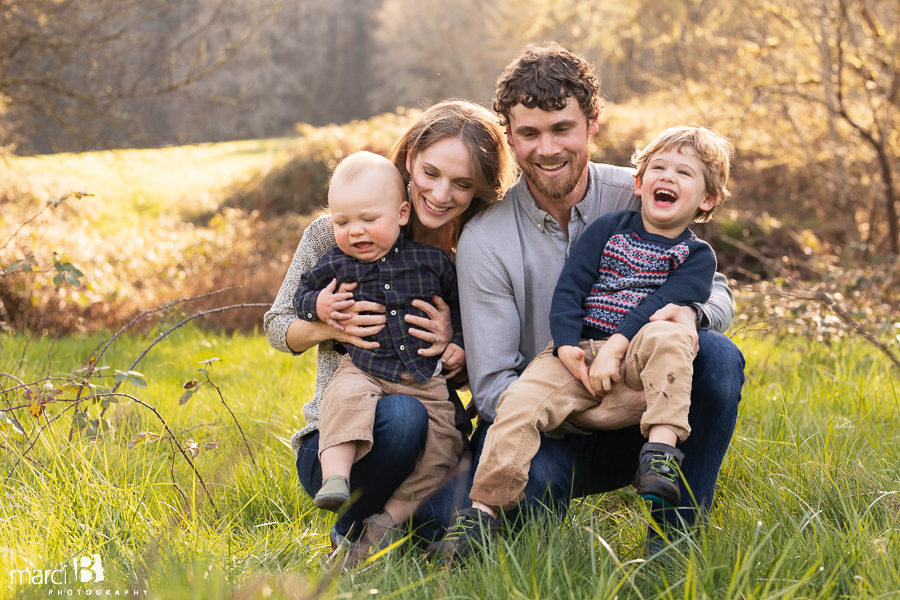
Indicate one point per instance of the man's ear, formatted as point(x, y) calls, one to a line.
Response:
point(593, 123)
point(404, 213)
point(508, 135)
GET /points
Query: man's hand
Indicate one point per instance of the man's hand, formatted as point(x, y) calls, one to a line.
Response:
point(329, 304)
point(453, 359)
point(622, 407)
point(683, 315)
point(606, 366)
point(573, 358)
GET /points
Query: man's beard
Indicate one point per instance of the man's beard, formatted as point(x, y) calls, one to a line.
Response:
point(556, 187)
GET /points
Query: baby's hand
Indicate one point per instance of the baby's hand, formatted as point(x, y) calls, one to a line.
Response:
point(573, 358)
point(330, 304)
point(454, 359)
point(605, 369)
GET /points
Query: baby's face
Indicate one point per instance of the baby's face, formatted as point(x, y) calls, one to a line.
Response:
point(367, 214)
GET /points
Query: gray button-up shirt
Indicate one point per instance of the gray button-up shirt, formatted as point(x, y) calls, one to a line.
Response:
point(508, 260)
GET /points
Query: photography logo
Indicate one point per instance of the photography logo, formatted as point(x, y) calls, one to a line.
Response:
point(88, 569)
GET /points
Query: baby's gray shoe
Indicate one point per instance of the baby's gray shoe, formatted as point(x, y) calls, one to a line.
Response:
point(334, 493)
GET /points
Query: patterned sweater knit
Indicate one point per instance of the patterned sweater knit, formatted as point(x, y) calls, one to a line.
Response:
point(618, 274)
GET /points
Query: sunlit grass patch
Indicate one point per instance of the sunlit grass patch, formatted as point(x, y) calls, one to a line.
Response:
point(806, 505)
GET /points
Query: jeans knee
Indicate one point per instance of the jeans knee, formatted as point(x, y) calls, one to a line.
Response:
point(718, 369)
point(401, 420)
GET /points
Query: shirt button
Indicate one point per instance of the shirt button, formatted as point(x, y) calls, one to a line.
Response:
point(387, 286)
point(402, 347)
point(309, 315)
point(383, 259)
point(393, 313)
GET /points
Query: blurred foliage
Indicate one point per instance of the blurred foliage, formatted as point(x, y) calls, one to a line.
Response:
point(244, 231)
point(300, 184)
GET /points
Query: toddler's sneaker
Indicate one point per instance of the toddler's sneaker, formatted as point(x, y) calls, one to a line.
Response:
point(334, 493)
point(658, 473)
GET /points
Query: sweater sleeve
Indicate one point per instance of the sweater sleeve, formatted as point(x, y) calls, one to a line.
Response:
point(318, 238)
point(576, 279)
point(689, 282)
point(312, 282)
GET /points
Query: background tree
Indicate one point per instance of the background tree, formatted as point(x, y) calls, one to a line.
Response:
point(70, 70)
point(812, 82)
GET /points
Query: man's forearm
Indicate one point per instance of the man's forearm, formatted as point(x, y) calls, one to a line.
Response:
point(718, 311)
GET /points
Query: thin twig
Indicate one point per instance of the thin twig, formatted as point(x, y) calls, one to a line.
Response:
point(236, 422)
point(168, 331)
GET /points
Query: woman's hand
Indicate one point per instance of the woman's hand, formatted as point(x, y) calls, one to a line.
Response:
point(453, 359)
point(435, 328)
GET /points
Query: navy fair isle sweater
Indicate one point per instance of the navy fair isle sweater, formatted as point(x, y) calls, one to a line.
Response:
point(618, 275)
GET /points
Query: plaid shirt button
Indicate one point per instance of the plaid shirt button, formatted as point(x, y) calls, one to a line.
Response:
point(418, 272)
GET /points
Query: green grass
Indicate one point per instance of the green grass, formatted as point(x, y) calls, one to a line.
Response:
point(133, 186)
point(807, 505)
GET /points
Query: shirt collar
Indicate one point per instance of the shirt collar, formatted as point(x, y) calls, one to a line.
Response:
point(540, 216)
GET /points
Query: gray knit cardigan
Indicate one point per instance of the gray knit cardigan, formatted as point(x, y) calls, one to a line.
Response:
point(318, 238)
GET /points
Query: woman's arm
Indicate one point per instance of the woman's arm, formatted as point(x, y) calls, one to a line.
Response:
point(279, 321)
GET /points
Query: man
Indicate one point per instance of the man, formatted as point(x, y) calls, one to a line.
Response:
point(509, 258)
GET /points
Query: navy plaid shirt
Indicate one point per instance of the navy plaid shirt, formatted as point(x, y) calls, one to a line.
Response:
point(408, 271)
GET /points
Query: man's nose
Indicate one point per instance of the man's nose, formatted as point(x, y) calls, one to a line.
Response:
point(546, 145)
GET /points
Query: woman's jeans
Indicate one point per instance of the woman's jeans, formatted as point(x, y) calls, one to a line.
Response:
point(399, 433)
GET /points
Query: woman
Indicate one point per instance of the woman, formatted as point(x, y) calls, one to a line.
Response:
point(456, 161)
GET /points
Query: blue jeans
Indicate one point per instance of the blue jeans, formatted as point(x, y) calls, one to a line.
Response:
point(573, 466)
point(401, 426)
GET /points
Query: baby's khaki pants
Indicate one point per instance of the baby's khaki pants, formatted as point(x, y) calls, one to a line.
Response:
point(659, 360)
point(348, 415)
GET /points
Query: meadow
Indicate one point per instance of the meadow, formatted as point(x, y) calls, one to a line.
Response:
point(163, 449)
point(807, 503)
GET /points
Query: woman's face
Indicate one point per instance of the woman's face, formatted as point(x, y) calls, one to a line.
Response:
point(442, 184)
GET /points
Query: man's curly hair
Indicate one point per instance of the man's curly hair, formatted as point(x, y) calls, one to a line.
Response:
point(545, 77)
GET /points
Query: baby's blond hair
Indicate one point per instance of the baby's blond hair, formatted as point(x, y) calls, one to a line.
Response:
point(363, 161)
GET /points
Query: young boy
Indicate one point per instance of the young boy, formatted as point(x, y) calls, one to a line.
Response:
point(625, 267)
point(368, 206)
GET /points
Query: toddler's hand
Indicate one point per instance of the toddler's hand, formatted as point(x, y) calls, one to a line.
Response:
point(573, 358)
point(605, 368)
point(330, 304)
